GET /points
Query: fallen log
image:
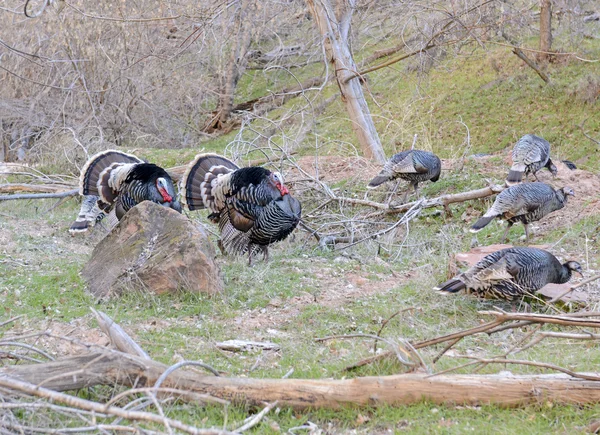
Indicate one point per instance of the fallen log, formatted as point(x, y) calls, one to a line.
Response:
point(506, 390)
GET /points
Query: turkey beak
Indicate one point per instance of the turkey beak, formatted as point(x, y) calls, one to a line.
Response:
point(579, 271)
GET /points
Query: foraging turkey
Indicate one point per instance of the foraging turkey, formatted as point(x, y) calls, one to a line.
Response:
point(414, 166)
point(525, 203)
point(530, 154)
point(121, 181)
point(251, 205)
point(511, 274)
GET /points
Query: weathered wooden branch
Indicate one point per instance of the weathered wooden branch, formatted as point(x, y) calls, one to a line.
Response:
point(111, 368)
point(21, 386)
point(519, 319)
point(118, 337)
point(440, 201)
point(521, 55)
point(32, 188)
point(62, 194)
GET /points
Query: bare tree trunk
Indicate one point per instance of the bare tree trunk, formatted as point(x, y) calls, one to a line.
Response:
point(236, 64)
point(335, 32)
point(545, 29)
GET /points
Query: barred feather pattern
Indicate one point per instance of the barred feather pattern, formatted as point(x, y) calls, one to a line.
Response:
point(122, 181)
point(511, 274)
point(89, 214)
point(525, 203)
point(414, 166)
point(246, 202)
point(274, 223)
point(530, 154)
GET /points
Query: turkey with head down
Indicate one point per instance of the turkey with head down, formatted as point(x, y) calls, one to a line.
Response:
point(511, 273)
point(530, 154)
point(414, 166)
point(252, 205)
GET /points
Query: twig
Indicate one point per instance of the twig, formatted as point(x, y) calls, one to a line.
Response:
point(11, 320)
point(585, 376)
point(88, 405)
point(395, 346)
point(257, 418)
point(597, 142)
point(385, 322)
point(573, 287)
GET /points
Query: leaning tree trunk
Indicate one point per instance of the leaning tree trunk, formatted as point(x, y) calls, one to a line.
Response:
point(545, 29)
point(335, 32)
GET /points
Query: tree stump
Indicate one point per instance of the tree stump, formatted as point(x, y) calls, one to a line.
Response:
point(154, 249)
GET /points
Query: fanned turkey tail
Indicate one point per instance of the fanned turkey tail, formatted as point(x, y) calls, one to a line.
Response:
point(197, 182)
point(102, 172)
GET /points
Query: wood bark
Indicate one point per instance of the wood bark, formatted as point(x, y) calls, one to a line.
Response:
point(110, 368)
point(236, 64)
point(334, 29)
point(530, 62)
point(545, 29)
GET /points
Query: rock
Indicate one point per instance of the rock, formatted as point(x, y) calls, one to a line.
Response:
point(154, 249)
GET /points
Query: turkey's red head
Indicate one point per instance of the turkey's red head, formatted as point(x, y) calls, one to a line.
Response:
point(277, 179)
point(161, 185)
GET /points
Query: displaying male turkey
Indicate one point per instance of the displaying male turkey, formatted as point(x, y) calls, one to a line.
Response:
point(414, 166)
point(511, 274)
point(526, 203)
point(530, 154)
point(121, 181)
point(252, 205)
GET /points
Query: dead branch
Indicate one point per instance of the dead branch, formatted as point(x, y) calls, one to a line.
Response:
point(118, 337)
point(586, 376)
point(521, 55)
point(253, 421)
point(76, 402)
point(118, 368)
point(34, 188)
point(62, 194)
point(574, 287)
point(597, 142)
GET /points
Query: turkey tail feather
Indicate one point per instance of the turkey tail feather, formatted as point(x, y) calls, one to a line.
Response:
point(452, 286)
point(515, 174)
point(378, 180)
point(90, 173)
point(482, 222)
point(195, 174)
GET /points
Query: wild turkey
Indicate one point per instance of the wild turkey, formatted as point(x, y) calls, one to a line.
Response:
point(251, 205)
point(569, 164)
point(526, 203)
point(511, 274)
point(414, 166)
point(530, 154)
point(121, 181)
point(90, 214)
